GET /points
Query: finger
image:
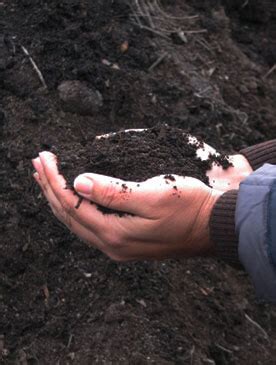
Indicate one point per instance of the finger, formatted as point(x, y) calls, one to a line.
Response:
point(87, 214)
point(48, 193)
point(75, 227)
point(116, 232)
point(127, 196)
point(53, 201)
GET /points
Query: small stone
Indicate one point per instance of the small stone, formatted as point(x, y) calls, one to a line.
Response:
point(71, 356)
point(141, 302)
point(244, 89)
point(252, 85)
point(115, 313)
point(78, 98)
point(124, 47)
point(88, 275)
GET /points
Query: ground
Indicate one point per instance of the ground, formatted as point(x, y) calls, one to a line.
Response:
point(62, 302)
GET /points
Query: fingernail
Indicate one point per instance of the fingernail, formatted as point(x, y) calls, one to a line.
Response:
point(83, 185)
point(35, 161)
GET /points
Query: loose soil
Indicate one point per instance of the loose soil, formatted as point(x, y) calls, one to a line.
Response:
point(62, 302)
point(138, 156)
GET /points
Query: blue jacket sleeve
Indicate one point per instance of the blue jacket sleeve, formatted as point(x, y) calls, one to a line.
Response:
point(255, 219)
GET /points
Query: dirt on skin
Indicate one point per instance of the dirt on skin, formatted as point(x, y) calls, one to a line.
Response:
point(210, 74)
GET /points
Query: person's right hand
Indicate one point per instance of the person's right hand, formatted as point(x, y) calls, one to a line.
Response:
point(166, 216)
point(230, 178)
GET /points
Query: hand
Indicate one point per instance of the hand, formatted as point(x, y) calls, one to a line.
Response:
point(230, 178)
point(166, 217)
point(219, 178)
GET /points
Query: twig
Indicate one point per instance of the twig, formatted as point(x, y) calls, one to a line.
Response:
point(156, 3)
point(170, 31)
point(146, 10)
point(158, 61)
point(142, 15)
point(39, 74)
point(152, 30)
point(273, 68)
point(136, 16)
point(208, 361)
point(204, 44)
point(257, 326)
point(70, 340)
point(223, 348)
point(192, 354)
point(245, 4)
point(199, 31)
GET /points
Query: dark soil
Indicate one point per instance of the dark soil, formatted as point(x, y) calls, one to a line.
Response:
point(62, 302)
point(138, 156)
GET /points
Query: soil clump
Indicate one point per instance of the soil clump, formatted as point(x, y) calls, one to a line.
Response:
point(138, 156)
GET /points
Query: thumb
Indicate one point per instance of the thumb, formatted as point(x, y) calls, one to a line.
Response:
point(112, 193)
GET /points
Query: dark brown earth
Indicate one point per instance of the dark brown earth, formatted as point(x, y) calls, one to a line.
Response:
point(138, 156)
point(62, 302)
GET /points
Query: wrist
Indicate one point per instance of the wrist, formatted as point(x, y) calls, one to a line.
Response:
point(222, 228)
point(203, 238)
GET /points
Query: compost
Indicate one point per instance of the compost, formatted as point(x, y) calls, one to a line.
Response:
point(206, 67)
point(138, 156)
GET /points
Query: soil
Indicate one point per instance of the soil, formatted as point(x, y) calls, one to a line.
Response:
point(138, 156)
point(62, 302)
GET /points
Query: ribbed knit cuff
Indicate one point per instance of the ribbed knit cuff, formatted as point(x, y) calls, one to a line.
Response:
point(260, 154)
point(222, 228)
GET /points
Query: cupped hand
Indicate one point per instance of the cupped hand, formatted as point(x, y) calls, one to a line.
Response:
point(163, 216)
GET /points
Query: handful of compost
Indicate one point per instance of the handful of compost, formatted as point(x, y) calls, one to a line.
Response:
point(164, 216)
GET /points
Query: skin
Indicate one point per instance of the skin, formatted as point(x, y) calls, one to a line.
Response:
point(162, 222)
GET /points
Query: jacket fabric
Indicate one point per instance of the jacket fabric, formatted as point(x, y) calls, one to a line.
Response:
point(255, 220)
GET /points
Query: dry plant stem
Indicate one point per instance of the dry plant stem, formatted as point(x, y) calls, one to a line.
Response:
point(152, 12)
point(273, 68)
point(158, 61)
point(158, 6)
point(161, 18)
point(146, 10)
point(37, 70)
point(223, 348)
point(257, 326)
point(151, 30)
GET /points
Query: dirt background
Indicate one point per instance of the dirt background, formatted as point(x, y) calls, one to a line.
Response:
point(62, 302)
